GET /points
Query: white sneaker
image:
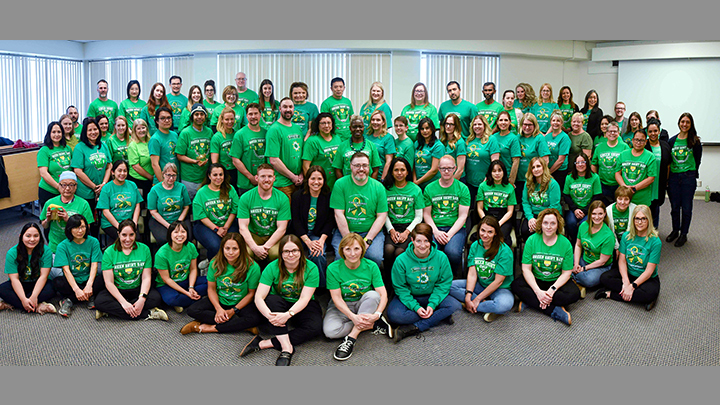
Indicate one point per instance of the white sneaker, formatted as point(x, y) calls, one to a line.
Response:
point(157, 313)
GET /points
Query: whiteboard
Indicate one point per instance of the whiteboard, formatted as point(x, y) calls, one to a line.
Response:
point(673, 87)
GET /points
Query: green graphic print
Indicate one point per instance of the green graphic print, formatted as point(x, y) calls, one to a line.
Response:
point(547, 266)
point(352, 290)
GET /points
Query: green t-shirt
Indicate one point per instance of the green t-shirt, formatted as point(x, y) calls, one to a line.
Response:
point(264, 214)
point(657, 151)
point(465, 110)
point(304, 115)
point(490, 112)
point(513, 113)
point(459, 149)
point(108, 107)
point(501, 264)
point(246, 97)
point(543, 113)
point(127, 269)
point(601, 242)
point(150, 119)
point(168, 203)
point(605, 158)
point(118, 148)
point(534, 203)
point(353, 284)
point(221, 145)
point(567, 112)
point(176, 263)
point(249, 147)
point(208, 204)
point(57, 160)
point(446, 201)
point(163, 145)
point(120, 200)
point(26, 275)
point(402, 203)
point(620, 221)
point(346, 149)
point(577, 144)
point(312, 213)
point(636, 169)
point(530, 147)
point(210, 108)
point(320, 152)
point(478, 159)
point(231, 292)
point(368, 109)
point(271, 276)
point(186, 120)
point(509, 149)
point(195, 145)
point(268, 115)
point(93, 162)
point(285, 143)
point(131, 110)
point(177, 104)
point(240, 118)
point(342, 110)
point(79, 257)
point(415, 114)
point(57, 228)
point(639, 253)
point(496, 195)
point(385, 146)
point(405, 149)
point(558, 145)
point(424, 157)
point(683, 159)
point(139, 154)
point(581, 190)
point(360, 203)
point(548, 262)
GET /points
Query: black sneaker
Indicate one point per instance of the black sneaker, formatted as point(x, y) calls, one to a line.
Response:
point(673, 235)
point(404, 331)
point(383, 327)
point(681, 240)
point(91, 302)
point(345, 349)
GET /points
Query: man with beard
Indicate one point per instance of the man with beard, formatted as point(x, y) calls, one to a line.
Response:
point(464, 109)
point(489, 107)
point(103, 105)
point(74, 115)
point(284, 149)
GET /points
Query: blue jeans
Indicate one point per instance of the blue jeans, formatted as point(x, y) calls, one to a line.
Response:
point(320, 261)
point(175, 298)
point(500, 301)
point(400, 314)
point(374, 252)
point(209, 239)
point(590, 278)
point(454, 248)
point(681, 191)
point(572, 224)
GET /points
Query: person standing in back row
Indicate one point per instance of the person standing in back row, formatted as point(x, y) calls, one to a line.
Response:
point(103, 105)
point(464, 109)
point(340, 107)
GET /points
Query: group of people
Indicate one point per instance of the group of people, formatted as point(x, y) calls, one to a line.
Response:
point(266, 187)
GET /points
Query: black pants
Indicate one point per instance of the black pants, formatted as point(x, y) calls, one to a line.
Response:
point(392, 251)
point(8, 294)
point(105, 302)
point(565, 295)
point(559, 176)
point(44, 196)
point(204, 312)
point(112, 234)
point(645, 293)
point(307, 323)
point(506, 228)
point(95, 226)
point(63, 287)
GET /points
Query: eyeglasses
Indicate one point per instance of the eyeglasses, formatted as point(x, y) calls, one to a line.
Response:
point(528, 125)
point(450, 124)
point(165, 118)
point(639, 139)
point(170, 176)
point(291, 252)
point(361, 166)
point(447, 169)
point(641, 219)
point(72, 185)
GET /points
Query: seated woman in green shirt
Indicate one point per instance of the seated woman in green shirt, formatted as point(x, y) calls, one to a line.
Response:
point(119, 142)
point(582, 186)
point(636, 277)
point(27, 265)
point(593, 249)
point(168, 201)
point(127, 272)
point(547, 264)
point(119, 200)
point(214, 209)
point(285, 297)
point(232, 278)
point(541, 191)
point(496, 198)
point(177, 280)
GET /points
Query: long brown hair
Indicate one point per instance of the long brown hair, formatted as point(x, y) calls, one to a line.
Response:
point(284, 274)
point(592, 207)
point(241, 264)
point(491, 221)
point(225, 186)
point(545, 179)
point(151, 105)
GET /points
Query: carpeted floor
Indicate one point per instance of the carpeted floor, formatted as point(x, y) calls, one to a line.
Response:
point(683, 329)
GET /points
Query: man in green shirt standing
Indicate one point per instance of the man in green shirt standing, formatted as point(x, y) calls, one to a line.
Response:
point(340, 107)
point(248, 149)
point(447, 203)
point(245, 96)
point(489, 107)
point(263, 216)
point(360, 205)
point(72, 111)
point(464, 109)
point(103, 105)
point(193, 150)
point(284, 149)
point(177, 101)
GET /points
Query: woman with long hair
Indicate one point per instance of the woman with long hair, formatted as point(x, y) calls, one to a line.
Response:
point(525, 98)
point(684, 170)
point(119, 200)
point(27, 265)
point(531, 144)
point(230, 97)
point(418, 109)
point(127, 272)
point(662, 152)
point(510, 152)
point(636, 277)
point(119, 142)
point(605, 158)
point(177, 280)
point(103, 123)
point(68, 131)
point(376, 102)
point(634, 125)
point(269, 107)
point(131, 107)
point(567, 106)
point(209, 101)
point(285, 297)
point(156, 99)
point(541, 192)
point(593, 249)
point(636, 169)
point(428, 151)
point(592, 114)
point(138, 155)
point(490, 273)
point(545, 107)
point(214, 209)
point(580, 141)
point(194, 96)
point(221, 144)
point(582, 186)
point(320, 148)
point(232, 279)
point(496, 198)
point(455, 146)
point(558, 143)
point(168, 201)
point(547, 264)
point(481, 150)
point(52, 159)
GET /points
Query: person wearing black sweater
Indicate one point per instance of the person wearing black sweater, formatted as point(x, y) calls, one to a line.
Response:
point(312, 219)
point(593, 114)
point(659, 187)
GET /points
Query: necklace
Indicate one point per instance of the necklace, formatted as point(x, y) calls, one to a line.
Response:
point(361, 147)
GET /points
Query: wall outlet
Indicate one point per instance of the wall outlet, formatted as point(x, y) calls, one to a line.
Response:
point(699, 183)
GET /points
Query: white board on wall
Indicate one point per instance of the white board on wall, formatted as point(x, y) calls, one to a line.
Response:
point(673, 87)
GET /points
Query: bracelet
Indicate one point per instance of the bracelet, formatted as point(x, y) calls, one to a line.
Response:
point(378, 313)
point(191, 288)
point(468, 292)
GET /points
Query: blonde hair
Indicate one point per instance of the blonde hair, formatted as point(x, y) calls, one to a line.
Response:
point(486, 132)
point(446, 139)
point(531, 118)
point(220, 126)
point(348, 240)
point(545, 179)
point(529, 99)
point(133, 134)
point(128, 130)
point(651, 231)
point(539, 98)
point(383, 128)
point(382, 98)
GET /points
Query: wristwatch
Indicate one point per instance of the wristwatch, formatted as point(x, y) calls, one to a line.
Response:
point(291, 313)
point(142, 295)
point(552, 287)
point(216, 229)
point(634, 285)
point(468, 292)
point(368, 241)
point(237, 311)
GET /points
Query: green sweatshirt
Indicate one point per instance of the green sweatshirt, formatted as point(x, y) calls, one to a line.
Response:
point(412, 276)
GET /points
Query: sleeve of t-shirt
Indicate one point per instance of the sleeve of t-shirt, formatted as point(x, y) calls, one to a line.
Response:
point(527, 209)
point(235, 200)
point(324, 107)
point(284, 211)
point(331, 281)
point(493, 147)
point(504, 262)
point(433, 114)
point(438, 150)
point(312, 275)
point(43, 157)
point(91, 110)
point(154, 147)
point(215, 143)
point(419, 200)
point(236, 150)
point(337, 197)
point(596, 186)
point(78, 159)
point(512, 198)
point(480, 196)
point(389, 145)
point(542, 146)
point(308, 152)
point(182, 143)
point(253, 276)
point(273, 143)
point(61, 255)
point(652, 167)
point(654, 250)
point(554, 195)
point(133, 155)
point(46, 260)
point(515, 148)
point(211, 269)
point(87, 213)
point(161, 261)
point(608, 244)
point(137, 193)
point(568, 262)
point(528, 250)
point(441, 289)
point(103, 202)
point(152, 199)
point(268, 275)
point(382, 204)
point(198, 210)
point(147, 255)
point(375, 160)
point(96, 254)
point(564, 145)
point(586, 142)
point(594, 159)
point(464, 195)
point(107, 259)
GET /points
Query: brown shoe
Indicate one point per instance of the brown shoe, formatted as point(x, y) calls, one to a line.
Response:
point(254, 330)
point(192, 327)
point(4, 305)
